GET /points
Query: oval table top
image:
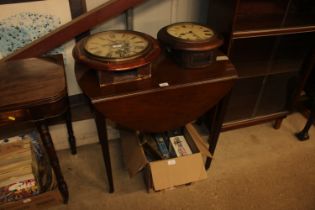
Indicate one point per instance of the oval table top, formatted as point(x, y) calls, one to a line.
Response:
point(30, 82)
point(170, 98)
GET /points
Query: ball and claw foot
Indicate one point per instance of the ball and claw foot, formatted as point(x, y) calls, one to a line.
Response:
point(302, 136)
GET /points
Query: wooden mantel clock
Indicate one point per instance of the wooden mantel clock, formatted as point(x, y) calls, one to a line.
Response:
point(118, 55)
point(191, 45)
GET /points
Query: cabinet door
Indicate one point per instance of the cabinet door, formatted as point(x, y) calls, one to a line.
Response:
point(260, 14)
point(310, 84)
point(277, 93)
point(291, 51)
point(301, 13)
point(251, 56)
point(243, 99)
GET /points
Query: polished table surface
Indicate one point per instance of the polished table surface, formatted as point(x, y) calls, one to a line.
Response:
point(24, 83)
point(170, 98)
point(31, 89)
point(145, 105)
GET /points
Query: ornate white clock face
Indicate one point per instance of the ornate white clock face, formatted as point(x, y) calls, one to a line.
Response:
point(190, 31)
point(116, 45)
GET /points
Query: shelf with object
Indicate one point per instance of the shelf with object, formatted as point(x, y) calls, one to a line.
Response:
point(27, 178)
point(44, 99)
point(270, 49)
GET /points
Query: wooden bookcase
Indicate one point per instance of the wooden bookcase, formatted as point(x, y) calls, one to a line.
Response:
point(271, 44)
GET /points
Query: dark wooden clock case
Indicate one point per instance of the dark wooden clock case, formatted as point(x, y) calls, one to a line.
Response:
point(112, 72)
point(190, 54)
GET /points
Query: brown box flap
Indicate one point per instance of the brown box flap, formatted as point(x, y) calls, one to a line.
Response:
point(40, 201)
point(133, 154)
point(202, 147)
point(178, 171)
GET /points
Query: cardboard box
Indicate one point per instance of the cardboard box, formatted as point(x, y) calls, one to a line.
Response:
point(165, 174)
point(40, 201)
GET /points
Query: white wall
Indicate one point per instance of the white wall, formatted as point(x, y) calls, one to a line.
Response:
point(152, 15)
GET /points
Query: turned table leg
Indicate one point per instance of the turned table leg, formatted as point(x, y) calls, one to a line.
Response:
point(50, 149)
point(216, 116)
point(71, 138)
point(102, 136)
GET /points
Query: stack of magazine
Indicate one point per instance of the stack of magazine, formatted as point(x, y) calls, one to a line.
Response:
point(165, 145)
point(23, 168)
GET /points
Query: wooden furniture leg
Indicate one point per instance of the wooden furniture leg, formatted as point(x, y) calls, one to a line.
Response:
point(278, 123)
point(71, 138)
point(50, 149)
point(102, 136)
point(303, 135)
point(216, 116)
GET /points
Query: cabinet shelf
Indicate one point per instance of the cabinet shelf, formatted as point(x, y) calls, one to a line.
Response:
point(252, 121)
point(264, 14)
point(272, 32)
point(268, 74)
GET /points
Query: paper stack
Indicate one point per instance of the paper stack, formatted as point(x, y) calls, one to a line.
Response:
point(17, 170)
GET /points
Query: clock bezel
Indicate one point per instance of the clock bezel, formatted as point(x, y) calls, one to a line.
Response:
point(101, 58)
point(187, 40)
point(94, 62)
point(191, 45)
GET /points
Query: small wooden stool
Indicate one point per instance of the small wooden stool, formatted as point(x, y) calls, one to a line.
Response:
point(35, 90)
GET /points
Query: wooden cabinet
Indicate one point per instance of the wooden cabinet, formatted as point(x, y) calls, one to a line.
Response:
point(270, 42)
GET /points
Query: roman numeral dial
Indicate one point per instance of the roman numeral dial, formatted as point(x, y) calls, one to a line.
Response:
point(190, 31)
point(191, 45)
point(116, 45)
point(118, 50)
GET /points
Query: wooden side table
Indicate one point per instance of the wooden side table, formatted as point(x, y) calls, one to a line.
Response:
point(34, 90)
point(171, 98)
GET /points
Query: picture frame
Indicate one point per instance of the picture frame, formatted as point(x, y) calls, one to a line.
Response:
point(22, 22)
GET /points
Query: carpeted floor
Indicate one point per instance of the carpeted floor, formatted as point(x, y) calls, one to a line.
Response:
point(253, 168)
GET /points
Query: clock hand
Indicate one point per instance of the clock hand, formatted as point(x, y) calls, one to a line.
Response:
point(106, 45)
point(191, 32)
point(197, 36)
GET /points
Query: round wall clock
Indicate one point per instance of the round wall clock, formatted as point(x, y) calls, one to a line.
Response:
point(190, 44)
point(117, 50)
